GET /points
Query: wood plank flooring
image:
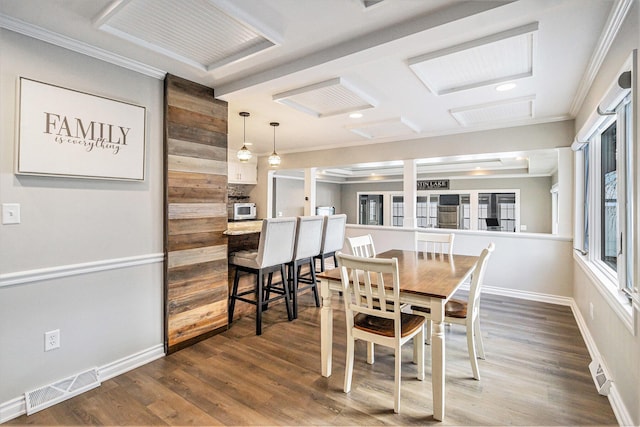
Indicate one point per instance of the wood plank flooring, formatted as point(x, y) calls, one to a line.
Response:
point(535, 373)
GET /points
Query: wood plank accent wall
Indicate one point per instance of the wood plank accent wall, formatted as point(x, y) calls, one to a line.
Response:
point(196, 287)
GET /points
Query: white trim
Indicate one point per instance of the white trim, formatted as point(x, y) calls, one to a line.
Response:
point(30, 276)
point(12, 408)
point(16, 407)
point(615, 399)
point(47, 36)
point(530, 296)
point(518, 235)
point(128, 363)
point(616, 300)
point(609, 33)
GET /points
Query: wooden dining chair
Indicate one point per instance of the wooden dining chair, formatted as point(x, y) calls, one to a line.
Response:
point(275, 249)
point(385, 323)
point(362, 246)
point(437, 242)
point(466, 313)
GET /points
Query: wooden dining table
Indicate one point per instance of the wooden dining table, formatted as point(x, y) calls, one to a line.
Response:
point(426, 280)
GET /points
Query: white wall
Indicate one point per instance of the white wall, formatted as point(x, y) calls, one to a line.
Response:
point(71, 226)
point(527, 265)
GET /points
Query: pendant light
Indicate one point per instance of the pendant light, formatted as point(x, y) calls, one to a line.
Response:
point(244, 154)
point(274, 158)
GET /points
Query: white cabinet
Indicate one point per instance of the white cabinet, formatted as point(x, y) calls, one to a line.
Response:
point(242, 173)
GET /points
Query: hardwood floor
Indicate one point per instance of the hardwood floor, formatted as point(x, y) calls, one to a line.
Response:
point(536, 373)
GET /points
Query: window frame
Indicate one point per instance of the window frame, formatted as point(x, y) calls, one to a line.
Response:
point(611, 283)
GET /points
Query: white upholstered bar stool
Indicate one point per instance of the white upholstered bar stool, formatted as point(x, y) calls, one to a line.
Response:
point(382, 323)
point(362, 246)
point(275, 249)
point(466, 313)
point(436, 241)
point(307, 246)
point(332, 238)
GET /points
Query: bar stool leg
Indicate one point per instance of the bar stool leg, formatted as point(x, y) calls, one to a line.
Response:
point(259, 302)
point(286, 293)
point(293, 269)
point(234, 292)
point(315, 282)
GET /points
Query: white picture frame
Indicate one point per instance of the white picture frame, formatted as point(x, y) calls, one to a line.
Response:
point(68, 133)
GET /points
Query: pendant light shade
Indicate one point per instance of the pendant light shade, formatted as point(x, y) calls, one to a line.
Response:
point(244, 154)
point(274, 158)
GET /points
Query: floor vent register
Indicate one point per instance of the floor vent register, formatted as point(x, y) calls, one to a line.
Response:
point(51, 394)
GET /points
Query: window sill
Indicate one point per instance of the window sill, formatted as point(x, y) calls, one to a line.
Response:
point(608, 289)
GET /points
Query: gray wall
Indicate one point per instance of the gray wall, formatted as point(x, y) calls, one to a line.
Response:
point(289, 195)
point(617, 345)
point(71, 224)
point(535, 198)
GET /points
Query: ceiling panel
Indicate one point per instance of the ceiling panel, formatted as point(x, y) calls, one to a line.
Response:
point(509, 110)
point(197, 33)
point(489, 60)
point(384, 129)
point(328, 98)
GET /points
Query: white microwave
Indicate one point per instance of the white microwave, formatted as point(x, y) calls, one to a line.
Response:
point(242, 211)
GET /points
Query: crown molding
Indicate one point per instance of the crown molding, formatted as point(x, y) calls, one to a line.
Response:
point(611, 29)
point(47, 36)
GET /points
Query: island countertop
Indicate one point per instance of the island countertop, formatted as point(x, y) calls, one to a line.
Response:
point(243, 227)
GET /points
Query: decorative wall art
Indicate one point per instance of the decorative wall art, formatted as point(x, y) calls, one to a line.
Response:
point(64, 132)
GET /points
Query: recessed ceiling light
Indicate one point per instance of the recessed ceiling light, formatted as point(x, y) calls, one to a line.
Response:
point(355, 115)
point(505, 87)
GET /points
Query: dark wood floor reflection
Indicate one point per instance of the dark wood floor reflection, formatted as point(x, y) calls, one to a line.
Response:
point(536, 373)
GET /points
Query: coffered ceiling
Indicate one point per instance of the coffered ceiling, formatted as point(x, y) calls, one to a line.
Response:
point(411, 68)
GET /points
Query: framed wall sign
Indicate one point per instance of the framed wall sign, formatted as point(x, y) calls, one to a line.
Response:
point(63, 132)
point(433, 184)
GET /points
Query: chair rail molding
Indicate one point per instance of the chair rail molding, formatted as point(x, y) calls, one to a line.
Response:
point(48, 273)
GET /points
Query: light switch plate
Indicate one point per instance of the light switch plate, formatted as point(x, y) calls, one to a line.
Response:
point(11, 213)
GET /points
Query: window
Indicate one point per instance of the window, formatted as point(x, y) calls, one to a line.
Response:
point(606, 163)
point(497, 211)
point(397, 211)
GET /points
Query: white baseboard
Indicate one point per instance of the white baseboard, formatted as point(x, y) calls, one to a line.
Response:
point(615, 400)
point(16, 407)
point(130, 362)
point(526, 295)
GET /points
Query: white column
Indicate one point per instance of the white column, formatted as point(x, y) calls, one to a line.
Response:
point(565, 192)
point(310, 191)
point(271, 200)
point(410, 193)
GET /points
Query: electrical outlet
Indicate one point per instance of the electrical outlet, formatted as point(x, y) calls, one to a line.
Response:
point(591, 310)
point(52, 340)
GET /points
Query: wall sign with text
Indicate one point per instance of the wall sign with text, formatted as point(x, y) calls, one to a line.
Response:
point(64, 132)
point(433, 184)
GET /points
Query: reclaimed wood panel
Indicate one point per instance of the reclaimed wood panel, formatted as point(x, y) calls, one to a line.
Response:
point(192, 164)
point(197, 210)
point(198, 321)
point(196, 285)
point(196, 225)
point(179, 147)
point(196, 255)
point(201, 136)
